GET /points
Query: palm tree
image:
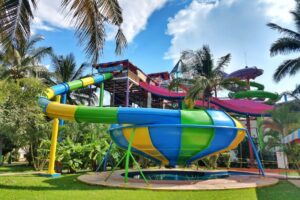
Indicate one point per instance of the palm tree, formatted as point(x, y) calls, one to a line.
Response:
point(207, 76)
point(285, 119)
point(289, 43)
point(24, 59)
point(89, 16)
point(66, 70)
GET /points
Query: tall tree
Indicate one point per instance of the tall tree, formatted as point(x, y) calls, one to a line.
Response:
point(288, 43)
point(207, 75)
point(23, 59)
point(89, 16)
point(66, 70)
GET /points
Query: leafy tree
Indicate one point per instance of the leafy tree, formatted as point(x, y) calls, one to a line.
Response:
point(21, 119)
point(207, 75)
point(89, 16)
point(23, 59)
point(289, 43)
point(284, 120)
point(66, 70)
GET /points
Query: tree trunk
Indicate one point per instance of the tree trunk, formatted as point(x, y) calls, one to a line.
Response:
point(216, 95)
point(1, 156)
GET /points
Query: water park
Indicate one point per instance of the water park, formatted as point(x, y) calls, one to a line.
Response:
point(197, 126)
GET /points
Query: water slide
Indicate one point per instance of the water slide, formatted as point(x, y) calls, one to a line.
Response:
point(240, 106)
point(242, 93)
point(171, 137)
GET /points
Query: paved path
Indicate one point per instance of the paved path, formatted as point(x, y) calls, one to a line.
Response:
point(20, 173)
point(295, 182)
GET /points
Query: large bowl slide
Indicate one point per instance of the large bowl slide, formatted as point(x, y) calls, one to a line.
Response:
point(168, 136)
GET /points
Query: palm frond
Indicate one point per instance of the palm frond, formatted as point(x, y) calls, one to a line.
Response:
point(121, 42)
point(198, 88)
point(79, 71)
point(269, 123)
point(285, 45)
point(37, 55)
point(206, 60)
point(33, 40)
point(233, 84)
point(297, 90)
point(178, 82)
point(89, 24)
point(222, 62)
point(290, 66)
point(296, 15)
point(284, 31)
point(112, 11)
point(15, 18)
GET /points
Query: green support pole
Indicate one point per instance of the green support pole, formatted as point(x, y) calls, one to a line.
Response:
point(128, 152)
point(101, 96)
point(138, 166)
point(127, 157)
point(113, 169)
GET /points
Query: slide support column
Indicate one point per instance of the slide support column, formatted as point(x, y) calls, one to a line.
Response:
point(127, 93)
point(101, 96)
point(249, 143)
point(61, 121)
point(54, 136)
point(261, 169)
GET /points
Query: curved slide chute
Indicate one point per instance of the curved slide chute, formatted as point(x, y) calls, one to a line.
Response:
point(254, 94)
point(168, 136)
point(244, 107)
point(240, 92)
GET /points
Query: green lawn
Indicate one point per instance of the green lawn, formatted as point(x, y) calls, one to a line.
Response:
point(67, 187)
point(15, 168)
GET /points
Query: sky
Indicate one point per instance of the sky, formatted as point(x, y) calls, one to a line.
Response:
point(159, 30)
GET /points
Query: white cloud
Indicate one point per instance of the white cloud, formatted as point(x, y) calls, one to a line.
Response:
point(135, 16)
point(278, 10)
point(237, 27)
point(184, 25)
point(49, 16)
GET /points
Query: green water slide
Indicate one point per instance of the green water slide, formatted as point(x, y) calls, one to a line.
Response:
point(254, 94)
point(259, 93)
point(257, 85)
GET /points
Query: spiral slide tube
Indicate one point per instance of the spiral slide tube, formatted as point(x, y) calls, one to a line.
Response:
point(171, 137)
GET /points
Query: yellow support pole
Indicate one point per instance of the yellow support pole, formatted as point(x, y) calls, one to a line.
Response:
point(54, 136)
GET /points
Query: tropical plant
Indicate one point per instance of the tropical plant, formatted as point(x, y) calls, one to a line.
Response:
point(66, 70)
point(89, 17)
point(21, 119)
point(84, 145)
point(289, 43)
point(23, 59)
point(284, 120)
point(207, 76)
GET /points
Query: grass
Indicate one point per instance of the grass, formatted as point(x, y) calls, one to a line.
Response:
point(15, 168)
point(67, 187)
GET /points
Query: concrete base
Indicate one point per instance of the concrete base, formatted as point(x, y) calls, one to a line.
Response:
point(55, 175)
point(232, 182)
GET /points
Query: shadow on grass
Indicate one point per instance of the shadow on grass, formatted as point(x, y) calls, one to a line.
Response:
point(65, 182)
point(15, 168)
point(282, 191)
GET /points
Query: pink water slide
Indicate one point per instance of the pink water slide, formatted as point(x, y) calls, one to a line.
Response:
point(244, 107)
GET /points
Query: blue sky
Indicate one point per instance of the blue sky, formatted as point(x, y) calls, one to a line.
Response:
point(158, 30)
